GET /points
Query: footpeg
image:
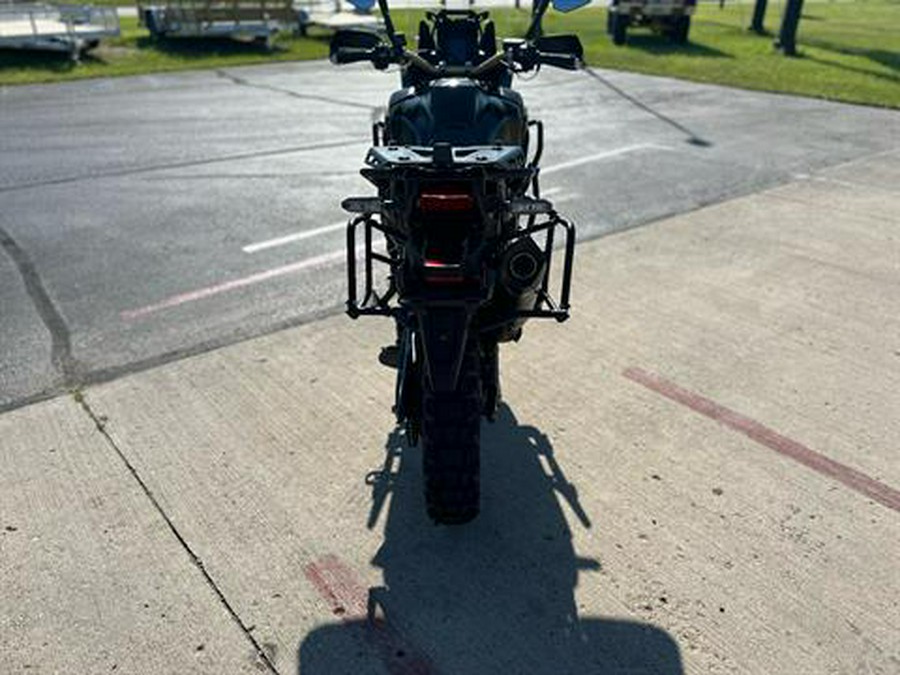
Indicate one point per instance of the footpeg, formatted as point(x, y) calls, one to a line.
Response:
point(389, 356)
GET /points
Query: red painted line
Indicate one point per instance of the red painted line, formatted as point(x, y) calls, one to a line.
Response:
point(233, 284)
point(348, 598)
point(762, 434)
point(338, 586)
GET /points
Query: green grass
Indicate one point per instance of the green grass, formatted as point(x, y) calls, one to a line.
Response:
point(849, 51)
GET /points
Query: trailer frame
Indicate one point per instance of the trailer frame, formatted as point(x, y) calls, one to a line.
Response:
point(68, 28)
point(254, 20)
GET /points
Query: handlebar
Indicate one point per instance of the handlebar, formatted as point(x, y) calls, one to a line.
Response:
point(526, 57)
point(488, 65)
point(351, 55)
point(420, 63)
point(565, 61)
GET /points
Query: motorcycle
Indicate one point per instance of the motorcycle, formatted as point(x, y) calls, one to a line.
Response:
point(467, 239)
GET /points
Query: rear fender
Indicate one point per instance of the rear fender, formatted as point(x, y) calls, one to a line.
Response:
point(444, 331)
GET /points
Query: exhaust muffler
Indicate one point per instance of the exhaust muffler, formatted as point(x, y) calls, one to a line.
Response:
point(522, 268)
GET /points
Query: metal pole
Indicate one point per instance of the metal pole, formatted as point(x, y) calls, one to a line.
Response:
point(787, 36)
point(759, 15)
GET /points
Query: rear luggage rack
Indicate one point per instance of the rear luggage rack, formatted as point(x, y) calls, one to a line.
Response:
point(546, 306)
point(443, 155)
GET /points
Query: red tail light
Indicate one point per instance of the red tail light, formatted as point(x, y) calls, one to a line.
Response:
point(443, 267)
point(440, 272)
point(446, 198)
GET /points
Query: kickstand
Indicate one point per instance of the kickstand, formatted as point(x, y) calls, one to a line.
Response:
point(375, 612)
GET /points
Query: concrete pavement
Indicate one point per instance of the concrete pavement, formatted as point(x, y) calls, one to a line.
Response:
point(697, 474)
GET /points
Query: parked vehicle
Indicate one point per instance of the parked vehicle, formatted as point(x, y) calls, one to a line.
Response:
point(255, 21)
point(335, 15)
point(468, 241)
point(669, 17)
point(71, 29)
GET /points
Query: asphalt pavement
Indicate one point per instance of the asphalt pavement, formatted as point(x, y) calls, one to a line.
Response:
point(145, 219)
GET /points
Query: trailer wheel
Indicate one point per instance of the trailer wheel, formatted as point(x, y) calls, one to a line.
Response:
point(152, 23)
point(619, 28)
point(681, 27)
point(265, 42)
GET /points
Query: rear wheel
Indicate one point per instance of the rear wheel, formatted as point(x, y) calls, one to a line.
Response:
point(451, 440)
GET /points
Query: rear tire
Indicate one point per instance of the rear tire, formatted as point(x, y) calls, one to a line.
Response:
point(451, 444)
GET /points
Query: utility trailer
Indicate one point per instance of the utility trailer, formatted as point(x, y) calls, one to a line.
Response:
point(333, 15)
point(71, 29)
point(244, 20)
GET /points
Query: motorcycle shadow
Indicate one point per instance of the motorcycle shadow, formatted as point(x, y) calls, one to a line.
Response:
point(494, 596)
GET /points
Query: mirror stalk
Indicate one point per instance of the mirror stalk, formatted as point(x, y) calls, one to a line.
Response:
point(534, 30)
point(389, 25)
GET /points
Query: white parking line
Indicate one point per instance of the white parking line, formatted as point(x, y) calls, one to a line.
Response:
point(327, 229)
point(566, 197)
point(290, 238)
point(326, 258)
point(553, 168)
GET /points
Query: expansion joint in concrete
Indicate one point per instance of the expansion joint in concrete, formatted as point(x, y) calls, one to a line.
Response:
point(692, 137)
point(171, 166)
point(60, 339)
point(240, 81)
point(100, 423)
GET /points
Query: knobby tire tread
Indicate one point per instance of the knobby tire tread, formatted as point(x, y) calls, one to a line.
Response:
point(451, 440)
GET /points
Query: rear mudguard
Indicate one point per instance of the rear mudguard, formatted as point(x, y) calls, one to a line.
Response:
point(443, 331)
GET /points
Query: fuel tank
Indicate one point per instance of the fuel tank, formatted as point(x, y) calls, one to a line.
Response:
point(457, 111)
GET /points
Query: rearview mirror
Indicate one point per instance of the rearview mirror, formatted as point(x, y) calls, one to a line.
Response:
point(568, 5)
point(362, 6)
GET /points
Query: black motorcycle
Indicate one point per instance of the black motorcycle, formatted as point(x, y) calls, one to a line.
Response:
point(467, 240)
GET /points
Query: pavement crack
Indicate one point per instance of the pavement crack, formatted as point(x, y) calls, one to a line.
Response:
point(106, 374)
point(240, 81)
point(132, 171)
point(100, 422)
point(60, 337)
point(692, 138)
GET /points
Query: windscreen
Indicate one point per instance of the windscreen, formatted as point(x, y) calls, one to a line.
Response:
point(511, 19)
